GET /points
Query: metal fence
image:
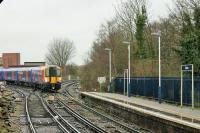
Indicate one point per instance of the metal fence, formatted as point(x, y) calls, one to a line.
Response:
point(148, 87)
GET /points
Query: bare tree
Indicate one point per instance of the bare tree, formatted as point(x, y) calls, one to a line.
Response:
point(60, 51)
point(127, 16)
point(182, 8)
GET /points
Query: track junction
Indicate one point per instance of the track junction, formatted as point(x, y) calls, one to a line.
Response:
point(66, 113)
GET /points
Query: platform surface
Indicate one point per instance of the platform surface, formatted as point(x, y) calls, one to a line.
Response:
point(185, 115)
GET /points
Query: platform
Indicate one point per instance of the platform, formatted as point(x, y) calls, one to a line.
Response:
point(184, 117)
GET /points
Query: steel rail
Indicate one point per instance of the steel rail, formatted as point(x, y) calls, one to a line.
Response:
point(82, 119)
point(28, 116)
point(72, 128)
point(20, 92)
point(27, 111)
point(53, 113)
point(100, 114)
point(68, 83)
point(110, 119)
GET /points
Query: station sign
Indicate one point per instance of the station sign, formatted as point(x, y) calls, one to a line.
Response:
point(187, 67)
point(101, 80)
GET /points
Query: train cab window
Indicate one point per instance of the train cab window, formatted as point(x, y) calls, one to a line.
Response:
point(54, 72)
point(47, 72)
point(58, 72)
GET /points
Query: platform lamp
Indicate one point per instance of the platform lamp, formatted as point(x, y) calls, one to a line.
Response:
point(129, 65)
point(158, 34)
point(110, 67)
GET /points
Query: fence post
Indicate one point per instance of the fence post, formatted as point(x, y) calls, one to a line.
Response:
point(181, 87)
point(192, 86)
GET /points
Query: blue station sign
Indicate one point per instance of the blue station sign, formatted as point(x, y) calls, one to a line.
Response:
point(187, 67)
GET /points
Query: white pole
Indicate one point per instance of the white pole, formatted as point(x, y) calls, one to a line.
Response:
point(124, 82)
point(158, 34)
point(181, 87)
point(100, 86)
point(192, 87)
point(110, 67)
point(129, 65)
point(110, 56)
point(159, 64)
point(127, 81)
point(159, 86)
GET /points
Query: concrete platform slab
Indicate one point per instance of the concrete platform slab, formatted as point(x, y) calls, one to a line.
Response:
point(183, 116)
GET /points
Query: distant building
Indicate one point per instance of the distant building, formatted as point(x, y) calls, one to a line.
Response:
point(34, 63)
point(10, 59)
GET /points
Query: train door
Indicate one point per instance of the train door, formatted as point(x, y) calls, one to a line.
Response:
point(4, 74)
point(13, 74)
point(27, 76)
point(9, 75)
point(30, 75)
point(16, 75)
point(20, 75)
point(1, 75)
point(23, 75)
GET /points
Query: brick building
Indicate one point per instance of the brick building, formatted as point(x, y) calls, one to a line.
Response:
point(10, 59)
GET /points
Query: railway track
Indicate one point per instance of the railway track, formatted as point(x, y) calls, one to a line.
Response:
point(109, 124)
point(76, 122)
point(66, 126)
point(32, 128)
point(38, 118)
point(30, 123)
point(62, 123)
point(67, 115)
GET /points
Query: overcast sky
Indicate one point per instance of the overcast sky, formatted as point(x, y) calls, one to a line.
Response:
point(27, 26)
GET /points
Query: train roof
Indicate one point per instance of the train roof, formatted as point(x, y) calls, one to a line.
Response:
point(22, 68)
point(27, 68)
point(52, 66)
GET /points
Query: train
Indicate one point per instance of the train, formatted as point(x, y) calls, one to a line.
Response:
point(47, 78)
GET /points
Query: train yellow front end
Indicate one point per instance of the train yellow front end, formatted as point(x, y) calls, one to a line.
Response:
point(53, 77)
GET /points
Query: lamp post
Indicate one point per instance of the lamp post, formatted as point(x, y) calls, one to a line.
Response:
point(158, 34)
point(110, 68)
point(129, 65)
point(125, 77)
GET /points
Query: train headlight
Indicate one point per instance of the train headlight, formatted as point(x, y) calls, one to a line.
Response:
point(59, 79)
point(46, 80)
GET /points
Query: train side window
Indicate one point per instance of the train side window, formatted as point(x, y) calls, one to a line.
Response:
point(46, 72)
